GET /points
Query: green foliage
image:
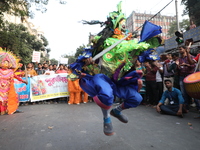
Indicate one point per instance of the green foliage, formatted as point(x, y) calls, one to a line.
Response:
point(17, 39)
point(14, 7)
point(79, 50)
point(45, 42)
point(71, 59)
point(44, 59)
point(48, 50)
point(184, 26)
point(53, 61)
point(192, 8)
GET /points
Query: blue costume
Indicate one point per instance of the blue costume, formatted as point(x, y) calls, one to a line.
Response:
point(103, 89)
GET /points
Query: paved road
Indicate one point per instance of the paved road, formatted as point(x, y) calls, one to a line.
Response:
point(79, 127)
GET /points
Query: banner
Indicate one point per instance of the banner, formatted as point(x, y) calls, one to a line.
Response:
point(63, 60)
point(22, 90)
point(45, 87)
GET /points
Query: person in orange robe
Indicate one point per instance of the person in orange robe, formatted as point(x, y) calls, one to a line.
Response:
point(84, 97)
point(73, 88)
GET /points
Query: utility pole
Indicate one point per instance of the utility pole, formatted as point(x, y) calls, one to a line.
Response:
point(177, 22)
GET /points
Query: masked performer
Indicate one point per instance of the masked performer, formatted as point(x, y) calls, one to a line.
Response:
point(8, 97)
point(104, 76)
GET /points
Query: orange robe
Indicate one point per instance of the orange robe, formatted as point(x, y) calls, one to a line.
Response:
point(84, 97)
point(74, 91)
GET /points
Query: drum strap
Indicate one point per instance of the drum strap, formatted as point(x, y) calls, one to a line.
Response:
point(197, 66)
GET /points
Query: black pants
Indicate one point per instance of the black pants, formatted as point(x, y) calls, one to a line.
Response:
point(159, 88)
point(151, 91)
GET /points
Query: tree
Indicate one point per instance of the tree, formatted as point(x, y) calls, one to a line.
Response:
point(45, 42)
point(22, 8)
point(79, 50)
point(71, 59)
point(192, 8)
point(53, 61)
point(12, 7)
point(184, 26)
point(17, 39)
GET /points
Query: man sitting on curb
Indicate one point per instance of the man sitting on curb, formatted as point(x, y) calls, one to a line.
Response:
point(176, 101)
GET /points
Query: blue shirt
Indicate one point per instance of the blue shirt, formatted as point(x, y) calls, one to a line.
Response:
point(175, 96)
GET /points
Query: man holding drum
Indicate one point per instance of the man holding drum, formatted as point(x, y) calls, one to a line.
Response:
point(185, 69)
point(194, 60)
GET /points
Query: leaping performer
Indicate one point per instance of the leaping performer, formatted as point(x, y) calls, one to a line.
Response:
point(107, 69)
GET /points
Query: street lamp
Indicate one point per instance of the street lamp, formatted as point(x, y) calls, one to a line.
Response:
point(177, 22)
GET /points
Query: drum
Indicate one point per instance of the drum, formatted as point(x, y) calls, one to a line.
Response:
point(192, 85)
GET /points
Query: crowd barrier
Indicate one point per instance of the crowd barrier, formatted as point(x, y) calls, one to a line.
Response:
point(42, 87)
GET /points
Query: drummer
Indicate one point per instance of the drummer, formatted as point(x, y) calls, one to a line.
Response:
point(184, 69)
point(194, 60)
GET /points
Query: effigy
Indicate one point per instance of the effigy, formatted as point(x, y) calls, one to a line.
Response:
point(106, 70)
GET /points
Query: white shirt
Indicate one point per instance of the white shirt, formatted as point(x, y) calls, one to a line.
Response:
point(49, 72)
point(158, 75)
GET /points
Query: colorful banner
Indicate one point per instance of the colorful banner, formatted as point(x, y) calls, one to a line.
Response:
point(22, 90)
point(45, 87)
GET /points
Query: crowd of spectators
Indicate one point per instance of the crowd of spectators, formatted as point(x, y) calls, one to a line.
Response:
point(158, 77)
point(173, 68)
point(35, 69)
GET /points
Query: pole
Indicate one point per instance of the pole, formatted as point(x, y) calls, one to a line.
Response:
point(177, 22)
point(26, 73)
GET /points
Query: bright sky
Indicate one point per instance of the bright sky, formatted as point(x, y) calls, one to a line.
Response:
point(62, 29)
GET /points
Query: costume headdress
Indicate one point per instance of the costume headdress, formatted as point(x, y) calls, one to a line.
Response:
point(114, 44)
point(10, 57)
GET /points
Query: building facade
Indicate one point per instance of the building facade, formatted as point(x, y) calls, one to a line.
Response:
point(33, 30)
point(136, 20)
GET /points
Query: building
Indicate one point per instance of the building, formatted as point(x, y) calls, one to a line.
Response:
point(24, 20)
point(136, 20)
